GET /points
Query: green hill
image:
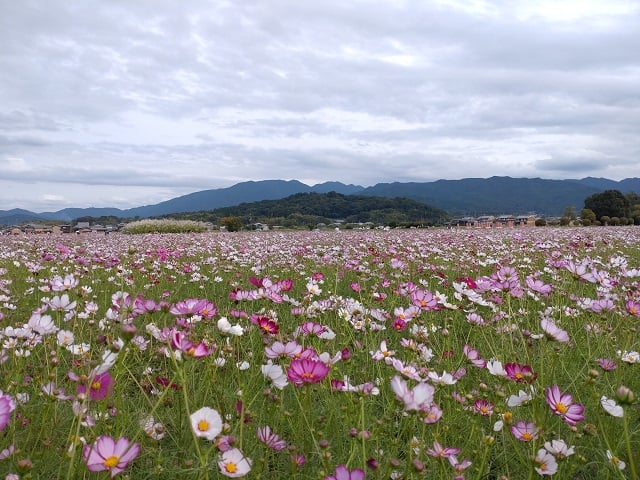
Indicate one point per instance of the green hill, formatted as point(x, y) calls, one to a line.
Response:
point(309, 209)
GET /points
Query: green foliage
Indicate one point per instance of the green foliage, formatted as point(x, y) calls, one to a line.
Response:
point(610, 203)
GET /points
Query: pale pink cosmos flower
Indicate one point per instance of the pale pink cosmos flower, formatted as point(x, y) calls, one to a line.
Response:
point(291, 349)
point(107, 454)
point(553, 331)
point(442, 452)
point(545, 463)
point(559, 448)
point(419, 398)
point(234, 464)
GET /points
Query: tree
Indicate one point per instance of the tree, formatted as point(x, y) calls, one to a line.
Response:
point(587, 216)
point(569, 212)
point(233, 224)
point(610, 203)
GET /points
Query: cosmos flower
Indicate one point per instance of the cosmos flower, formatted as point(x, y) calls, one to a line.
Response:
point(559, 448)
point(270, 439)
point(520, 373)
point(611, 407)
point(562, 404)
point(419, 398)
point(206, 423)
point(7, 405)
point(524, 431)
point(545, 463)
point(553, 331)
point(107, 454)
point(306, 370)
point(441, 452)
point(100, 386)
point(234, 464)
point(343, 473)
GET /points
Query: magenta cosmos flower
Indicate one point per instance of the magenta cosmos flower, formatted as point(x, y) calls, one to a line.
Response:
point(7, 405)
point(520, 373)
point(343, 473)
point(100, 386)
point(306, 370)
point(562, 404)
point(107, 454)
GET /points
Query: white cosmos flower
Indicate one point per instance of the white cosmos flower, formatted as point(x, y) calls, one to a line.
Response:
point(206, 423)
point(611, 407)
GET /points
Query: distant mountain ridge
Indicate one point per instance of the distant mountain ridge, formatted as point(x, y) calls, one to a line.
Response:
point(468, 196)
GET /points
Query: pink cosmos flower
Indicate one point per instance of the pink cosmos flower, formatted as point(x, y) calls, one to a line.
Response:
point(483, 407)
point(270, 439)
point(474, 356)
point(441, 452)
point(7, 405)
point(524, 431)
point(343, 473)
point(306, 370)
point(101, 386)
point(633, 308)
point(538, 286)
point(562, 404)
point(607, 364)
point(107, 454)
point(180, 341)
point(423, 299)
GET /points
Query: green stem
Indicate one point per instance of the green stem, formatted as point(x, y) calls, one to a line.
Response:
point(632, 463)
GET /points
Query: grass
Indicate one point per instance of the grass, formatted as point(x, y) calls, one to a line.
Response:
point(75, 306)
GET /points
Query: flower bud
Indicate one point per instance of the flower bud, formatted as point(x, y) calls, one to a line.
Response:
point(625, 395)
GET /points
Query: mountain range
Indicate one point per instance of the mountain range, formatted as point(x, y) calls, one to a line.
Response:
point(469, 196)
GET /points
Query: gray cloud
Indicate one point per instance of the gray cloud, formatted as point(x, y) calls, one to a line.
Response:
point(147, 100)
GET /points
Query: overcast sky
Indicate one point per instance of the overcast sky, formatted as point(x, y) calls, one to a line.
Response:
point(124, 103)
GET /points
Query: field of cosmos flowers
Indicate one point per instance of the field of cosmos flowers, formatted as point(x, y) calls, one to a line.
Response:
point(402, 354)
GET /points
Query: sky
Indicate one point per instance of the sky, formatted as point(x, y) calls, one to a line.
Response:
point(120, 103)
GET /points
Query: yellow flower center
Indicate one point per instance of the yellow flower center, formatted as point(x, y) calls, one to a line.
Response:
point(519, 376)
point(95, 385)
point(191, 351)
point(308, 375)
point(111, 461)
point(527, 436)
point(231, 467)
point(203, 425)
point(561, 407)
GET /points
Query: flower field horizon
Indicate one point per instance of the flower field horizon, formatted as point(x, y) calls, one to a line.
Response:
point(404, 354)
